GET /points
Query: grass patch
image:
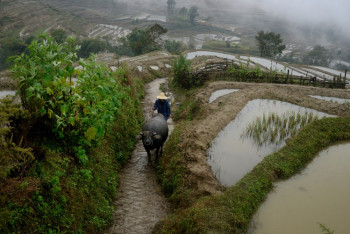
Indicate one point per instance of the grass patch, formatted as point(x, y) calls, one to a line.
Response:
point(232, 211)
point(223, 46)
point(274, 129)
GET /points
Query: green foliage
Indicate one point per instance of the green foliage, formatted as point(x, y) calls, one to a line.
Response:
point(273, 129)
point(174, 47)
point(317, 56)
point(184, 12)
point(325, 229)
point(182, 73)
point(77, 112)
point(269, 43)
point(193, 14)
point(171, 7)
point(144, 41)
point(92, 46)
point(59, 35)
point(231, 211)
point(10, 47)
point(188, 110)
point(14, 158)
point(94, 123)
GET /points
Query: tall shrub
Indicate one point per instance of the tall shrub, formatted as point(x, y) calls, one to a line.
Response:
point(182, 72)
point(77, 106)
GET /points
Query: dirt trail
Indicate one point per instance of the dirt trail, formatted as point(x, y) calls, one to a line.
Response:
point(140, 203)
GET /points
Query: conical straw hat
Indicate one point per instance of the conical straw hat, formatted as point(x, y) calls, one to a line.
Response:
point(162, 96)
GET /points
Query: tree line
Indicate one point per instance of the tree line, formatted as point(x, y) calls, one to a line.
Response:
point(270, 45)
point(187, 14)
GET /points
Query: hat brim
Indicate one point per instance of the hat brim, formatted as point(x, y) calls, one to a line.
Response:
point(162, 97)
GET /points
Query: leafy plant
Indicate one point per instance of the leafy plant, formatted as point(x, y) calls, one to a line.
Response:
point(182, 73)
point(76, 105)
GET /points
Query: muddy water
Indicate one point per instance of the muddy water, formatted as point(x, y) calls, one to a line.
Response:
point(140, 203)
point(320, 194)
point(231, 156)
point(331, 99)
point(220, 93)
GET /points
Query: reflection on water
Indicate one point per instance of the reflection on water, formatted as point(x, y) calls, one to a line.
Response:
point(4, 93)
point(331, 99)
point(231, 156)
point(319, 195)
point(220, 93)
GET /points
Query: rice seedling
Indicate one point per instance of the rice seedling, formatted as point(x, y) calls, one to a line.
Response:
point(274, 128)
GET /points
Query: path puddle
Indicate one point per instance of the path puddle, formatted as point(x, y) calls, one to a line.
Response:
point(320, 194)
point(331, 99)
point(231, 155)
point(220, 93)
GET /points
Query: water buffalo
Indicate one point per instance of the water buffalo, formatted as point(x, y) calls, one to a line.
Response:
point(154, 134)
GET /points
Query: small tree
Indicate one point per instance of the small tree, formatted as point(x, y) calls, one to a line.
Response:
point(171, 7)
point(174, 47)
point(269, 43)
point(143, 41)
point(318, 56)
point(182, 72)
point(183, 12)
point(59, 35)
point(193, 14)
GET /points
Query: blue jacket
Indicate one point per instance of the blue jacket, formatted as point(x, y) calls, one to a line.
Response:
point(163, 108)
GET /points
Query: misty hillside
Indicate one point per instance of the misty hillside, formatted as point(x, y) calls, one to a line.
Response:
point(217, 23)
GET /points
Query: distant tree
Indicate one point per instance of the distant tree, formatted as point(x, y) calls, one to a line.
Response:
point(143, 41)
point(10, 47)
point(154, 34)
point(171, 7)
point(174, 47)
point(269, 43)
point(59, 35)
point(318, 56)
point(183, 12)
point(89, 46)
point(193, 14)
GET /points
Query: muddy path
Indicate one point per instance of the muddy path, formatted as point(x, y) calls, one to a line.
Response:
point(140, 203)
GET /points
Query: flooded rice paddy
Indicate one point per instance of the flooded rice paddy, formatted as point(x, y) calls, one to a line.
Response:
point(220, 93)
point(267, 63)
point(331, 99)
point(319, 195)
point(233, 154)
point(192, 55)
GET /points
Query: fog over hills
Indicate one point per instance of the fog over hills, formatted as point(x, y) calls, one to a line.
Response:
point(323, 22)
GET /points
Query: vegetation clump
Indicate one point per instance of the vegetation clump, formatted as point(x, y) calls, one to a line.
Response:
point(73, 133)
point(273, 129)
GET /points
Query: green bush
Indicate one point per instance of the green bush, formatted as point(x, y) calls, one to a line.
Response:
point(182, 73)
point(89, 130)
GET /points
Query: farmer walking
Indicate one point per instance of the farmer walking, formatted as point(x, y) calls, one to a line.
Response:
point(162, 106)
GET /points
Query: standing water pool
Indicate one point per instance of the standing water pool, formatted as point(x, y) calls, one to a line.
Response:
point(315, 199)
point(236, 150)
point(220, 93)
